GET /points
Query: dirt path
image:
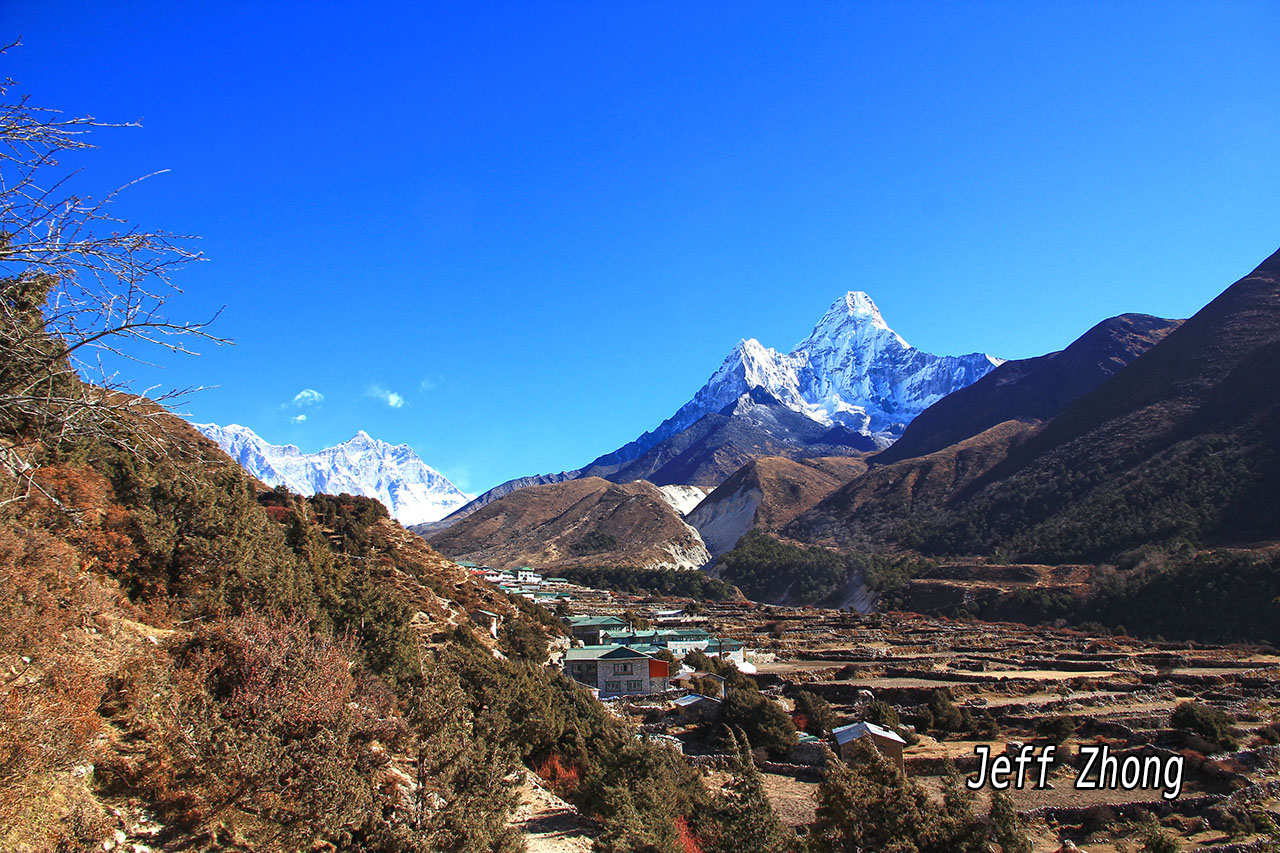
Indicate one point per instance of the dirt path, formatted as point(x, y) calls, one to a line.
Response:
point(549, 824)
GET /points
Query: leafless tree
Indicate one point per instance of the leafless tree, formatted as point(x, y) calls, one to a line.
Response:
point(78, 285)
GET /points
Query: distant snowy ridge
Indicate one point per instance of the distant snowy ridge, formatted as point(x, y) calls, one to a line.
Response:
point(851, 370)
point(411, 490)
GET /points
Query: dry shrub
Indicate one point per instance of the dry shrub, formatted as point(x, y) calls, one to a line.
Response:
point(79, 503)
point(262, 726)
point(279, 514)
point(50, 685)
point(685, 836)
point(562, 776)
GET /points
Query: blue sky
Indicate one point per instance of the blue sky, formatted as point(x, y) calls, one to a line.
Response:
point(542, 226)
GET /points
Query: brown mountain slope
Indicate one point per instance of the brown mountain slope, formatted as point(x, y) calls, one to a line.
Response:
point(1183, 444)
point(1032, 388)
point(856, 513)
point(767, 493)
point(587, 522)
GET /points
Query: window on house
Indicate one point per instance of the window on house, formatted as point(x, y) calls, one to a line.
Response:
point(622, 669)
point(613, 687)
point(635, 685)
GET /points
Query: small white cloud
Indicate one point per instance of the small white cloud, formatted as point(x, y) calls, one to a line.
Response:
point(391, 398)
point(428, 383)
point(299, 419)
point(308, 397)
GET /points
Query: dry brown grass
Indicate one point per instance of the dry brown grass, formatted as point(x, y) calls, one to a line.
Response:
point(53, 665)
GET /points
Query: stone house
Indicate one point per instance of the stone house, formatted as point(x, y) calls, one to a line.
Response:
point(616, 670)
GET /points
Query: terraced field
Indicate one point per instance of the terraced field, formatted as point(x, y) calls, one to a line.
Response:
point(1015, 684)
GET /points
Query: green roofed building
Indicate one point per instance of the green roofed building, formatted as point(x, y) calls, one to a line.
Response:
point(587, 629)
point(678, 641)
point(616, 670)
point(726, 649)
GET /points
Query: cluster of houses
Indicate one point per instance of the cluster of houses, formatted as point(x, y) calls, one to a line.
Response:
point(524, 581)
point(615, 659)
point(618, 660)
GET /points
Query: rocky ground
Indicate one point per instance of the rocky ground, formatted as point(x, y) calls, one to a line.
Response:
point(548, 823)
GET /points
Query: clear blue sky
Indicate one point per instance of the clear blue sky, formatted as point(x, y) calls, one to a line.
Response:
point(544, 225)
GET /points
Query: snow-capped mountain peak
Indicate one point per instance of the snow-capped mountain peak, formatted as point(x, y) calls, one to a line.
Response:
point(858, 305)
point(853, 316)
point(412, 491)
point(852, 369)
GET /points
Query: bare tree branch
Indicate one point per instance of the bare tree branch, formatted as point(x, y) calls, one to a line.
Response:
point(77, 283)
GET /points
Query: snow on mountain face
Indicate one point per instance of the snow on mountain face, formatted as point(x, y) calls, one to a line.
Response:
point(410, 489)
point(852, 369)
point(859, 372)
point(684, 498)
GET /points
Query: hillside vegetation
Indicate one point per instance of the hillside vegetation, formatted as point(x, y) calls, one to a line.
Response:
point(232, 667)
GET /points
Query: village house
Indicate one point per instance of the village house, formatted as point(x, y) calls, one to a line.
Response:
point(487, 620)
point(587, 629)
point(726, 649)
point(888, 742)
point(524, 574)
point(495, 576)
point(616, 670)
point(696, 708)
point(679, 641)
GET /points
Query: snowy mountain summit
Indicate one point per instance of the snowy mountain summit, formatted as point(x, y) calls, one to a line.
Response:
point(410, 489)
point(852, 370)
point(859, 372)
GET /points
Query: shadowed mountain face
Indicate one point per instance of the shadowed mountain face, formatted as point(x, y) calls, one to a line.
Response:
point(703, 454)
point(754, 425)
point(852, 370)
point(583, 522)
point(1031, 389)
point(1183, 444)
point(766, 493)
point(486, 498)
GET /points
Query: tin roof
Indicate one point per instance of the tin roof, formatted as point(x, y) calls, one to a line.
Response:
point(853, 731)
point(609, 652)
point(594, 621)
